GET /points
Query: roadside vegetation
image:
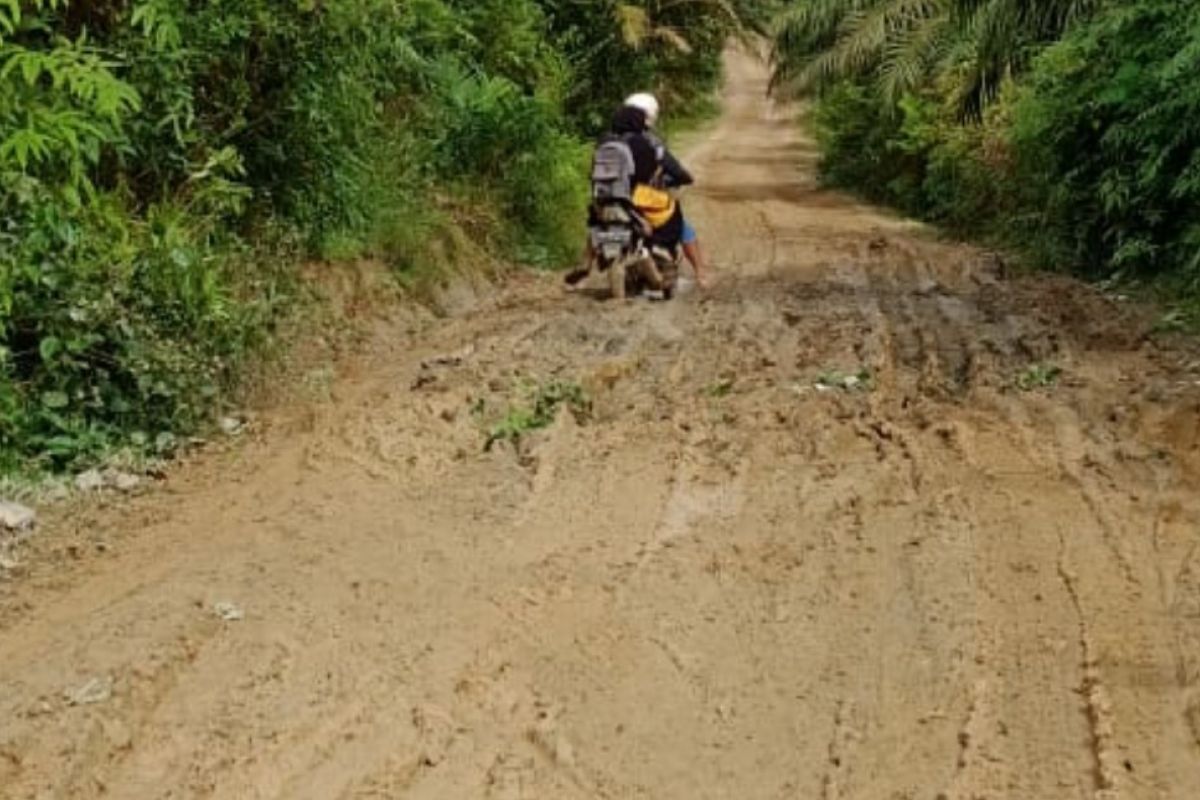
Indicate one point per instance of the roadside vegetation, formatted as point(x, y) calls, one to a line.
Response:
point(1065, 130)
point(165, 166)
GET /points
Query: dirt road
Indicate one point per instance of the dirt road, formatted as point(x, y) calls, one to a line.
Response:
point(740, 576)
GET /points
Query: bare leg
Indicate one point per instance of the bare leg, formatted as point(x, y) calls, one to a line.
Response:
point(696, 256)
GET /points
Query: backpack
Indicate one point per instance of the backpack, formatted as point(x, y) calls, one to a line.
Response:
point(613, 171)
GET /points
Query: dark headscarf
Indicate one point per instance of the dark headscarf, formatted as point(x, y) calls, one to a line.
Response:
point(629, 120)
point(630, 123)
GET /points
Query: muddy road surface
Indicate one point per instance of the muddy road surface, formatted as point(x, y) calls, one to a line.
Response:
point(871, 520)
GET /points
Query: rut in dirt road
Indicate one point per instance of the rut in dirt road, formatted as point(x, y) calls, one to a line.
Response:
point(739, 576)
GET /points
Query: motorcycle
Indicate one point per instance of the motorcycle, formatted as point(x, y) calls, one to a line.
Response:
point(622, 247)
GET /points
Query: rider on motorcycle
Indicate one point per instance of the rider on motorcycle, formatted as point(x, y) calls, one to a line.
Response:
point(655, 168)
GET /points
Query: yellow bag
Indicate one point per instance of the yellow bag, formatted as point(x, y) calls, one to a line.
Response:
point(656, 205)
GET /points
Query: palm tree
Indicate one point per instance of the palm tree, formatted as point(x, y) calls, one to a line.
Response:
point(640, 22)
point(903, 43)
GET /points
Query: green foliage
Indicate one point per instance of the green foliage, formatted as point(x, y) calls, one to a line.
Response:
point(721, 389)
point(1109, 132)
point(117, 326)
point(902, 44)
point(1038, 376)
point(163, 164)
point(489, 134)
point(1083, 157)
point(856, 133)
point(669, 47)
point(540, 411)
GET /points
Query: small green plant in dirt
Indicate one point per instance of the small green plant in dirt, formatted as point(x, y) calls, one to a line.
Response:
point(1177, 320)
point(859, 381)
point(722, 388)
point(540, 411)
point(1038, 376)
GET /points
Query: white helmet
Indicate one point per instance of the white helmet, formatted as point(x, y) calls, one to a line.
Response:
point(647, 103)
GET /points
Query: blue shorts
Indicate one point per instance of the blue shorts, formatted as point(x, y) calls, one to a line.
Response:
point(689, 234)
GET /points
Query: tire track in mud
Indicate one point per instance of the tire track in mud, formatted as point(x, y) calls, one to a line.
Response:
point(728, 580)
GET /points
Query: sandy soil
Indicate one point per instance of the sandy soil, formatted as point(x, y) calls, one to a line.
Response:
point(724, 582)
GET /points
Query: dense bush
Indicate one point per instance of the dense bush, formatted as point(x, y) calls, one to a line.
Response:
point(1108, 132)
point(1086, 156)
point(164, 164)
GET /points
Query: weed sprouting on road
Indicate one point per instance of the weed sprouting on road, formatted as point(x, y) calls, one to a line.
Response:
point(722, 388)
point(862, 380)
point(1038, 376)
point(540, 408)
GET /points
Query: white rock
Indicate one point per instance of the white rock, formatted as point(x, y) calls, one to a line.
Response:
point(125, 482)
point(97, 690)
point(230, 426)
point(90, 481)
point(16, 517)
point(228, 611)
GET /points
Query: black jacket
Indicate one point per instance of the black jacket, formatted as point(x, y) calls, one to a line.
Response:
point(674, 174)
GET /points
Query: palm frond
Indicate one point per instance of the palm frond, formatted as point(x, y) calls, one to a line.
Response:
point(912, 51)
point(803, 33)
point(644, 22)
point(902, 43)
point(634, 23)
point(864, 38)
